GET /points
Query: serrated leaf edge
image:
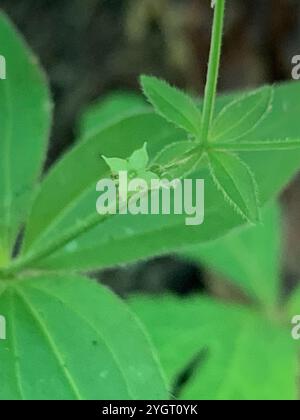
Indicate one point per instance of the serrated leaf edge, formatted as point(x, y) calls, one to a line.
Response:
point(169, 146)
point(227, 197)
point(195, 131)
point(236, 101)
point(259, 146)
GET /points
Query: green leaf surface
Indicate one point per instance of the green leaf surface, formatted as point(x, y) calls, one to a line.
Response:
point(76, 191)
point(261, 146)
point(236, 354)
point(293, 304)
point(250, 258)
point(68, 194)
point(25, 117)
point(69, 338)
point(177, 160)
point(116, 165)
point(139, 159)
point(242, 115)
point(108, 110)
point(236, 181)
point(172, 104)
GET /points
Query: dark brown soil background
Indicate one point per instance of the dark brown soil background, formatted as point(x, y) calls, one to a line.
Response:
point(92, 47)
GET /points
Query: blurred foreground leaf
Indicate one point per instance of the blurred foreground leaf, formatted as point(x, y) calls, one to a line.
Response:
point(236, 354)
point(25, 118)
point(68, 338)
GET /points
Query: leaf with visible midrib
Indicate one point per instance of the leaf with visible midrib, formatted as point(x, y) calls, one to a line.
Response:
point(68, 338)
point(233, 177)
point(77, 195)
point(62, 203)
point(172, 104)
point(242, 116)
point(259, 146)
point(177, 160)
point(25, 119)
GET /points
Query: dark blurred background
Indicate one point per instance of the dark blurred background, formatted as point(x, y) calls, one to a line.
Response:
point(92, 47)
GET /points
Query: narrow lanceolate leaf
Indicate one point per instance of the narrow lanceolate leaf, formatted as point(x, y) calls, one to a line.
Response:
point(242, 116)
point(68, 196)
point(68, 338)
point(25, 115)
point(234, 178)
point(172, 104)
point(177, 160)
point(259, 146)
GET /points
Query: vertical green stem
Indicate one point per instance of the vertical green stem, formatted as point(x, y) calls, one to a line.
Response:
point(213, 69)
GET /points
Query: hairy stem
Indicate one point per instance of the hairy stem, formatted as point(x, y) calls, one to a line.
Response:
point(213, 70)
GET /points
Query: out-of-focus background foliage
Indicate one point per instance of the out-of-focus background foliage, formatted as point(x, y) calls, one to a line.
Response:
point(90, 48)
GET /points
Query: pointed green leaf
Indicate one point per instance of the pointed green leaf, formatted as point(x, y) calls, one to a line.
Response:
point(25, 118)
point(67, 196)
point(231, 352)
point(116, 165)
point(259, 146)
point(233, 177)
point(242, 116)
point(177, 160)
point(139, 159)
point(172, 104)
point(71, 339)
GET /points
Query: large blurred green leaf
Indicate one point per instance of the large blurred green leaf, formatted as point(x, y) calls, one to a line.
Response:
point(25, 114)
point(68, 338)
point(108, 110)
point(68, 194)
point(293, 303)
point(251, 257)
point(237, 355)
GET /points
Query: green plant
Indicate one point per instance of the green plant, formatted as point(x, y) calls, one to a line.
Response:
point(67, 337)
point(231, 351)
